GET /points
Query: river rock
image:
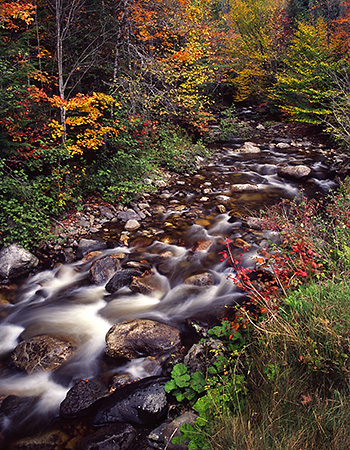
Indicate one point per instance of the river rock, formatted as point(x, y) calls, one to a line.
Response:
point(141, 402)
point(120, 279)
point(241, 243)
point(161, 437)
point(118, 436)
point(202, 355)
point(249, 147)
point(132, 225)
point(223, 198)
point(51, 440)
point(81, 397)
point(89, 245)
point(173, 429)
point(202, 246)
point(294, 172)
point(16, 261)
point(244, 187)
point(283, 145)
point(256, 223)
point(42, 353)
point(221, 208)
point(200, 279)
point(127, 215)
point(103, 269)
point(134, 338)
point(148, 285)
point(15, 412)
point(106, 212)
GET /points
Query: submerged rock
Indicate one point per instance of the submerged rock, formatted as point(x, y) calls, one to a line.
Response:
point(134, 338)
point(15, 412)
point(16, 261)
point(42, 353)
point(141, 402)
point(51, 440)
point(118, 436)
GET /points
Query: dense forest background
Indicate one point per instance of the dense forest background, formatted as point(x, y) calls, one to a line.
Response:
point(97, 96)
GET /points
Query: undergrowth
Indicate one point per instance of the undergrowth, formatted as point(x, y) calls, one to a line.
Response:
point(295, 366)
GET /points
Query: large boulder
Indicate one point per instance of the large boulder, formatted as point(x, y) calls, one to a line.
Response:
point(141, 402)
point(299, 172)
point(103, 269)
point(42, 353)
point(16, 261)
point(134, 338)
point(119, 436)
point(81, 397)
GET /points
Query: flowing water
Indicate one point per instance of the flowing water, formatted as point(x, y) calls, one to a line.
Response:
point(185, 239)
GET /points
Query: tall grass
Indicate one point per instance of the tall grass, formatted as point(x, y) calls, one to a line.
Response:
point(298, 363)
point(298, 378)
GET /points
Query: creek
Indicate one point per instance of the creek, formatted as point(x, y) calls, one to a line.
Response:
point(183, 236)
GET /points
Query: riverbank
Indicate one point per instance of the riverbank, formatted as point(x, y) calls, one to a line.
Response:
point(170, 269)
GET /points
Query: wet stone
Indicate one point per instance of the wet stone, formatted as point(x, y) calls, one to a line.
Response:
point(141, 402)
point(51, 440)
point(202, 246)
point(249, 147)
point(294, 172)
point(201, 279)
point(120, 279)
point(81, 397)
point(141, 337)
point(118, 436)
point(103, 269)
point(89, 245)
point(147, 285)
point(15, 412)
point(244, 187)
point(221, 208)
point(42, 353)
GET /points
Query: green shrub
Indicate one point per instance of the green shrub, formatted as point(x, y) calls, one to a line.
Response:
point(175, 150)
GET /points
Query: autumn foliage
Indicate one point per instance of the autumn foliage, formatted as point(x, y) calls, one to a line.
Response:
point(103, 87)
